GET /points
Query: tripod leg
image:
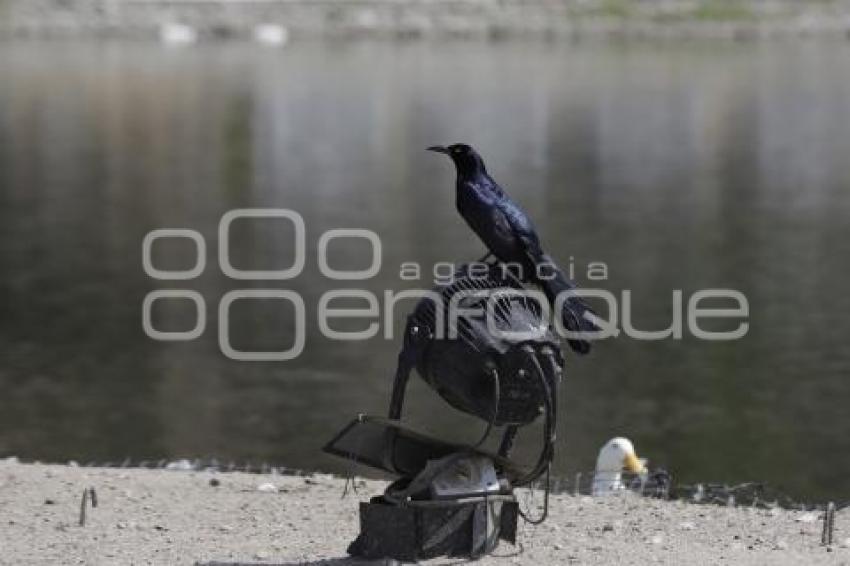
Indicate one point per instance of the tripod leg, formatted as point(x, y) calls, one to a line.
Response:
point(402, 376)
point(406, 362)
point(413, 341)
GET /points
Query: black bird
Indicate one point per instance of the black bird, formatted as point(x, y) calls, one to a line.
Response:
point(509, 235)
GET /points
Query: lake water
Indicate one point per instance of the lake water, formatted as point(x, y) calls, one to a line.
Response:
point(680, 166)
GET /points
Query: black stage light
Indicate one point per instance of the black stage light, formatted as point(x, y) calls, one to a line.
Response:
point(484, 345)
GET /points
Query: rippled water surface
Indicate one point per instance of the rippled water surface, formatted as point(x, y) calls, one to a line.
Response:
point(679, 166)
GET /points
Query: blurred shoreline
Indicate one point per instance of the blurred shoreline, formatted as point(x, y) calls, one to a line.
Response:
point(474, 19)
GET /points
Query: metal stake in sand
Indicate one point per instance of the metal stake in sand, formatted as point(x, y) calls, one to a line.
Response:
point(89, 494)
point(828, 524)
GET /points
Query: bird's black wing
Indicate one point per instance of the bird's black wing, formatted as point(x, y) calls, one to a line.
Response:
point(500, 236)
point(575, 311)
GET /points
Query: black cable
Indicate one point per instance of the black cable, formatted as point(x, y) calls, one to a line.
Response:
point(545, 513)
point(548, 427)
point(547, 453)
point(497, 393)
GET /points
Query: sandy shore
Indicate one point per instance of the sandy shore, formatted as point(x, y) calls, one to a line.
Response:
point(182, 517)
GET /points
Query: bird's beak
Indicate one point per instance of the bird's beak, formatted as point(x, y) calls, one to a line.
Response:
point(439, 149)
point(632, 464)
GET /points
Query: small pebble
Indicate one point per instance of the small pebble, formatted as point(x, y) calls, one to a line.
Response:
point(214, 482)
point(806, 518)
point(267, 488)
point(687, 526)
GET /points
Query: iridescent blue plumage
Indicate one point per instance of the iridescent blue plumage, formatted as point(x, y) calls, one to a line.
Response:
point(509, 234)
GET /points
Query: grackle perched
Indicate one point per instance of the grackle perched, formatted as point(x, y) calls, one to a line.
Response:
point(509, 235)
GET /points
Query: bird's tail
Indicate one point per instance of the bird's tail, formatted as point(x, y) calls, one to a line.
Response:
point(575, 311)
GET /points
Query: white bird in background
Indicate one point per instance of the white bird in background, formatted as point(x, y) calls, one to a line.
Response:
point(617, 455)
point(174, 33)
point(271, 34)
